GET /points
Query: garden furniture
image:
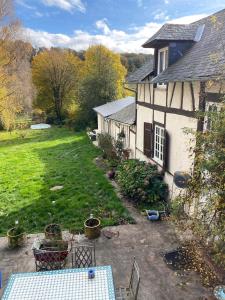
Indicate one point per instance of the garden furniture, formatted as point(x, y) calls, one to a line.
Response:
point(130, 292)
point(83, 256)
point(62, 284)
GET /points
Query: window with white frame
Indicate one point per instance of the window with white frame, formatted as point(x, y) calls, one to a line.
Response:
point(162, 63)
point(162, 59)
point(159, 136)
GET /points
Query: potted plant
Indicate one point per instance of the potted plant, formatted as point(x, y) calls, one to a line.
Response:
point(16, 236)
point(92, 227)
point(53, 232)
point(50, 254)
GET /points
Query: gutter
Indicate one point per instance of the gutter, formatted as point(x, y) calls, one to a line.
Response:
point(129, 89)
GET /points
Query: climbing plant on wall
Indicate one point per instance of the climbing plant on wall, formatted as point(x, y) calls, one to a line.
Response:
point(204, 200)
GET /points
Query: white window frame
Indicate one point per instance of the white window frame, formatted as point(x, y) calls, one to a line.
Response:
point(159, 137)
point(165, 63)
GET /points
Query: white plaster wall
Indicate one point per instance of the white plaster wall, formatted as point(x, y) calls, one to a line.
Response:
point(180, 158)
point(132, 144)
point(141, 92)
point(147, 93)
point(159, 116)
point(160, 96)
point(173, 190)
point(187, 98)
point(100, 123)
point(141, 156)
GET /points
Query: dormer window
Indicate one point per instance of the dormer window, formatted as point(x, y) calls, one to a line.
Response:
point(162, 59)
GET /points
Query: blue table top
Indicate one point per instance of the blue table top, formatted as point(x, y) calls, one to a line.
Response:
point(61, 284)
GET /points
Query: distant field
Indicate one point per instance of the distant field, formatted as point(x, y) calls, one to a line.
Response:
point(32, 162)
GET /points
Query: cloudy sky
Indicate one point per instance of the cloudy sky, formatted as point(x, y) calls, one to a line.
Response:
point(121, 25)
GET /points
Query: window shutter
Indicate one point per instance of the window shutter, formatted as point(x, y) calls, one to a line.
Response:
point(166, 150)
point(148, 140)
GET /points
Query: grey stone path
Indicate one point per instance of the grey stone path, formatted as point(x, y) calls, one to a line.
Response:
point(144, 240)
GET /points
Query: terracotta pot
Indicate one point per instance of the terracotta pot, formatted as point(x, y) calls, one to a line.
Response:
point(53, 232)
point(16, 240)
point(92, 228)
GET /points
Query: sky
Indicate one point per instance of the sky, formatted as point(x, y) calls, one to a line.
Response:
point(121, 25)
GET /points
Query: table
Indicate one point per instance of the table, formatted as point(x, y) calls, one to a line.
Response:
point(67, 284)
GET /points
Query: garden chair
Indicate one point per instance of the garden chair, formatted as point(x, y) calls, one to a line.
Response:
point(130, 292)
point(83, 256)
point(51, 257)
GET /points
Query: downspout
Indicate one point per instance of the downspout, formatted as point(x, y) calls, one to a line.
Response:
point(136, 92)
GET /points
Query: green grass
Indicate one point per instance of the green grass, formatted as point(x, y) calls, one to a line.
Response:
point(31, 162)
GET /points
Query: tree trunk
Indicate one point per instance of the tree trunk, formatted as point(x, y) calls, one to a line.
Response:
point(58, 106)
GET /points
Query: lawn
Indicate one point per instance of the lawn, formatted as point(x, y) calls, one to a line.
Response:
point(32, 162)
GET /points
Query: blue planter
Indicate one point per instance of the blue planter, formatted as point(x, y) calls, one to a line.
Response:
point(153, 215)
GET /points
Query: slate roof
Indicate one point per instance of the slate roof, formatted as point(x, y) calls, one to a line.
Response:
point(126, 115)
point(142, 72)
point(114, 107)
point(172, 32)
point(206, 58)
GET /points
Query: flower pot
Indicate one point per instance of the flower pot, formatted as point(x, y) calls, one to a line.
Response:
point(50, 254)
point(92, 228)
point(153, 215)
point(16, 239)
point(53, 232)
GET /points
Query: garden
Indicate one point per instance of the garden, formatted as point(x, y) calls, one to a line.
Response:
point(50, 176)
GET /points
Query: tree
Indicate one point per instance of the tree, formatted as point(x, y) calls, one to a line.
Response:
point(16, 90)
point(56, 76)
point(102, 81)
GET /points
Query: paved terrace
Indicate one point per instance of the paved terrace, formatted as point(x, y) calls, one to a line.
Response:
point(144, 240)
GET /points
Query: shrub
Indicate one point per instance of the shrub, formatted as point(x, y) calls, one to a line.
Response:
point(141, 182)
point(177, 207)
point(38, 115)
point(23, 122)
point(105, 142)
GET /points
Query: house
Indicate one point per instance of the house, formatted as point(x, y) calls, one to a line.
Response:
point(116, 117)
point(186, 76)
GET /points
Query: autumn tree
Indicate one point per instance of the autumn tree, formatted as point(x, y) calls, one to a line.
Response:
point(16, 90)
point(102, 81)
point(56, 76)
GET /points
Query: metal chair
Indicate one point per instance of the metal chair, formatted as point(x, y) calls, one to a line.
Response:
point(130, 292)
point(83, 256)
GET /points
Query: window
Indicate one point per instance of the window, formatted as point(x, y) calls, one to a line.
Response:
point(162, 60)
point(162, 63)
point(210, 109)
point(159, 136)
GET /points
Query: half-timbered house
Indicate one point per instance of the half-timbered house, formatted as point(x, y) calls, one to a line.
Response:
point(186, 76)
